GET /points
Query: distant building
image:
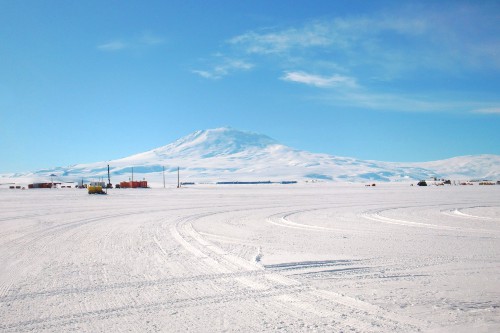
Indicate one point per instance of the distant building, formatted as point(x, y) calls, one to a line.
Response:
point(42, 185)
point(243, 183)
point(134, 184)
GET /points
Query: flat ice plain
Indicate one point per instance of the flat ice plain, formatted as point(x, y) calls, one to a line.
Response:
point(212, 258)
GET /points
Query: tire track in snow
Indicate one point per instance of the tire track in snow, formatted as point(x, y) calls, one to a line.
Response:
point(36, 244)
point(376, 215)
point(458, 212)
point(167, 282)
point(127, 310)
point(326, 306)
point(26, 248)
point(283, 219)
point(281, 291)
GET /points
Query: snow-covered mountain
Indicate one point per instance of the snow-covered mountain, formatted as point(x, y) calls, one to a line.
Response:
point(226, 154)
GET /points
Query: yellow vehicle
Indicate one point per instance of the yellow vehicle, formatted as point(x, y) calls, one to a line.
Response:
point(96, 188)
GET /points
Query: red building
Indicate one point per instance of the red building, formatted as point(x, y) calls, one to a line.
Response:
point(42, 185)
point(134, 184)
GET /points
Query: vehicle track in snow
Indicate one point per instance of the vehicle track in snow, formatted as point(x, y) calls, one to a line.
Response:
point(399, 217)
point(60, 322)
point(378, 216)
point(264, 259)
point(347, 313)
point(459, 212)
point(35, 244)
point(284, 219)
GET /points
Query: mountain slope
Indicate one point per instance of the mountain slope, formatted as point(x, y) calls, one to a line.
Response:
point(226, 154)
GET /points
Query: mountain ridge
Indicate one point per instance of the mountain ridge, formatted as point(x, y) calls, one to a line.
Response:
point(227, 154)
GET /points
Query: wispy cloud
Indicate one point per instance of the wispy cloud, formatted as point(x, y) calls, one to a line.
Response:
point(225, 67)
point(150, 39)
point(112, 46)
point(399, 102)
point(315, 35)
point(319, 81)
point(368, 99)
point(390, 60)
point(491, 110)
point(337, 34)
point(388, 42)
point(140, 41)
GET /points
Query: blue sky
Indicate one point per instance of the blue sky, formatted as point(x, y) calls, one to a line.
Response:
point(85, 81)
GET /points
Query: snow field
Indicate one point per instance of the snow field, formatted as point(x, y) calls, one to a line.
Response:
point(315, 257)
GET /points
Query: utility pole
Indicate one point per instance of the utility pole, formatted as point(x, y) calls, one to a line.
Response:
point(109, 178)
point(132, 182)
point(163, 176)
point(109, 181)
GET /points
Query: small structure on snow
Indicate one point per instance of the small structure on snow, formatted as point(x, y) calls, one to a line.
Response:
point(134, 184)
point(43, 185)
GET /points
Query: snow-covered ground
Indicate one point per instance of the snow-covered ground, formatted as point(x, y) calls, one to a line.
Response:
point(294, 258)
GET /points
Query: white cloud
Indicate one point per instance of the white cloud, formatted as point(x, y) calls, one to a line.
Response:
point(393, 43)
point(416, 45)
point(205, 74)
point(315, 35)
point(403, 102)
point(339, 34)
point(113, 46)
point(225, 67)
point(149, 39)
point(398, 102)
point(140, 41)
point(490, 110)
point(319, 81)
